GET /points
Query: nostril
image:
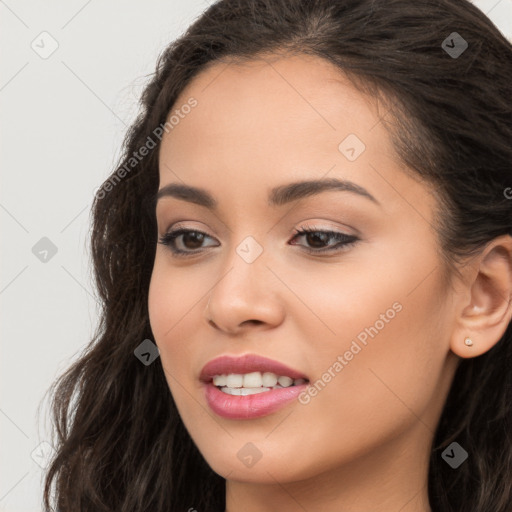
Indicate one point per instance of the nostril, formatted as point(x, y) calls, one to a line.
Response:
point(255, 322)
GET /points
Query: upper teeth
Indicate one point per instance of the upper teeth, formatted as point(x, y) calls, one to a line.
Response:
point(255, 380)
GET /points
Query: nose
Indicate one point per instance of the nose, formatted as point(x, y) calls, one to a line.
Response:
point(247, 296)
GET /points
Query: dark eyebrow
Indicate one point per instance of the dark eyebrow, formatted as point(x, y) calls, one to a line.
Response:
point(278, 196)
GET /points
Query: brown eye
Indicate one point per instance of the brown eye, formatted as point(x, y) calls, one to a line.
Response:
point(317, 239)
point(184, 241)
point(192, 239)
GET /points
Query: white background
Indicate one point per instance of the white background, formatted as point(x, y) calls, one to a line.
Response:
point(62, 122)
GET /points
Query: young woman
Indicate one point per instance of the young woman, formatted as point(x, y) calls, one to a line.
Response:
point(305, 261)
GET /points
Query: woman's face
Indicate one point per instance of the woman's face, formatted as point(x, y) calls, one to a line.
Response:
point(367, 323)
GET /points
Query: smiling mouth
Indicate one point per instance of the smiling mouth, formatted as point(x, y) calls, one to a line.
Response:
point(253, 383)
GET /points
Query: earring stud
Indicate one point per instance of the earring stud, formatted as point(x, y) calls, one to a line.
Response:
point(468, 342)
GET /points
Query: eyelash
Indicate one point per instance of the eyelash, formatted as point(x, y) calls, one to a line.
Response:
point(344, 241)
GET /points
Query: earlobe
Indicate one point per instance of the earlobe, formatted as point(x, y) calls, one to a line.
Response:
point(487, 311)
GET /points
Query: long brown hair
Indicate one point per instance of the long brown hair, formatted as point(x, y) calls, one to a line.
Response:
point(120, 443)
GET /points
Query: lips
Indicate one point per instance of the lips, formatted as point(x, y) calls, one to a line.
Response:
point(260, 401)
point(246, 364)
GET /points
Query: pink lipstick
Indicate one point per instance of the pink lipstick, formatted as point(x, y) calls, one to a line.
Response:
point(249, 386)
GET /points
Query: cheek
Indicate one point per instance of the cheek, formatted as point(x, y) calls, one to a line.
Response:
point(383, 370)
point(166, 307)
point(171, 297)
point(175, 308)
point(158, 296)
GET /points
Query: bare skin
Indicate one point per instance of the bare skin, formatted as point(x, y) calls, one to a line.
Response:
point(363, 442)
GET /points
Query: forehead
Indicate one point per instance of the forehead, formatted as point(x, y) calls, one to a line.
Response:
point(301, 82)
point(282, 108)
point(271, 119)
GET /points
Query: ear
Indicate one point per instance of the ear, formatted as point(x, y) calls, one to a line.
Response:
point(486, 301)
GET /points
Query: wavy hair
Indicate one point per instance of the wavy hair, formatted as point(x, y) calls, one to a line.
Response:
point(120, 443)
